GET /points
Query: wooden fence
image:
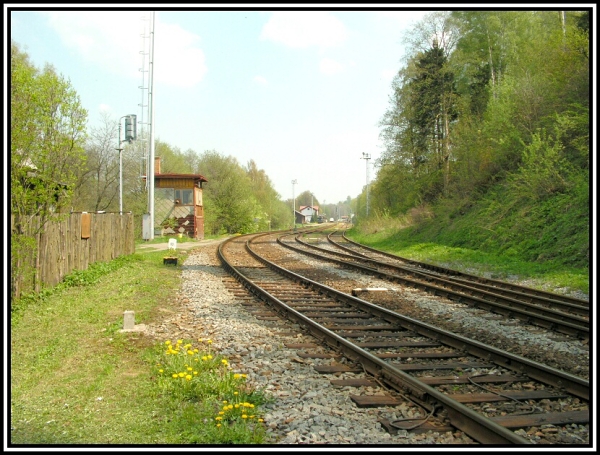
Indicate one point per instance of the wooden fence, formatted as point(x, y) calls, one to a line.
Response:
point(72, 244)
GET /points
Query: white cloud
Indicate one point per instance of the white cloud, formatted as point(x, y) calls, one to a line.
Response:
point(114, 40)
point(104, 108)
point(109, 39)
point(182, 63)
point(260, 80)
point(329, 66)
point(302, 29)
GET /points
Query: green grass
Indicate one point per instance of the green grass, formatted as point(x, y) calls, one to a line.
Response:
point(76, 379)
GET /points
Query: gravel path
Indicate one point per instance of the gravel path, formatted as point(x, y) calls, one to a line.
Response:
point(308, 409)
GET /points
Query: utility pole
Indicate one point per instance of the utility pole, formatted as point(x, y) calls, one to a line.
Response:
point(367, 157)
point(294, 182)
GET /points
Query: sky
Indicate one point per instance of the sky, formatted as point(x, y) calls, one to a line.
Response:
point(301, 93)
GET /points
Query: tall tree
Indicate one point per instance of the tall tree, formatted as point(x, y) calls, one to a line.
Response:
point(230, 206)
point(417, 127)
point(306, 198)
point(47, 138)
point(266, 196)
point(98, 184)
point(172, 160)
point(433, 100)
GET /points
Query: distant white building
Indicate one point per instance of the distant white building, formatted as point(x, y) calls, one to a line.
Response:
point(309, 213)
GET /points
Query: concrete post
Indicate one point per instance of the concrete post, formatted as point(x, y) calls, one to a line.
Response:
point(128, 320)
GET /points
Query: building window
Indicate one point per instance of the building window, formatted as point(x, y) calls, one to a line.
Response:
point(184, 197)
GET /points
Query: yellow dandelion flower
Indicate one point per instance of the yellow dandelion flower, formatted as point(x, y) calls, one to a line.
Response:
point(200, 340)
point(218, 418)
point(196, 350)
point(237, 406)
point(236, 376)
point(244, 416)
point(189, 368)
point(187, 346)
point(168, 342)
point(224, 362)
point(244, 375)
point(179, 341)
point(252, 417)
point(224, 401)
point(190, 352)
point(161, 371)
point(204, 358)
point(230, 406)
point(209, 356)
point(235, 393)
point(188, 377)
point(218, 425)
point(195, 372)
point(181, 375)
point(221, 413)
point(260, 420)
point(251, 405)
point(175, 375)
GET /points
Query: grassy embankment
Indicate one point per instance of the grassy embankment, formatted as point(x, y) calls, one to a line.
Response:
point(75, 378)
point(544, 245)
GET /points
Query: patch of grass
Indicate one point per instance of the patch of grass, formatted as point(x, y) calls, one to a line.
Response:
point(76, 278)
point(197, 376)
point(75, 378)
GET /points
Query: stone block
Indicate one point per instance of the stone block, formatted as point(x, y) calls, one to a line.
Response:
point(128, 320)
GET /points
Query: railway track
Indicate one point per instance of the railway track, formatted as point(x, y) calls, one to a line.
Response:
point(452, 378)
point(551, 311)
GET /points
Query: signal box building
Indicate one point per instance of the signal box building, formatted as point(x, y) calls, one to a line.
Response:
point(178, 205)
